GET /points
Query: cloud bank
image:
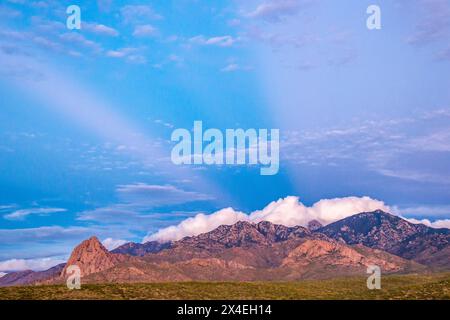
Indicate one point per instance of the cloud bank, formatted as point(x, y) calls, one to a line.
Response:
point(288, 211)
point(201, 223)
point(29, 264)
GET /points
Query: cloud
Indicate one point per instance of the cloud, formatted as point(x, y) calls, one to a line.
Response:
point(291, 212)
point(201, 223)
point(23, 213)
point(132, 213)
point(379, 145)
point(29, 264)
point(117, 214)
point(423, 211)
point(131, 55)
point(141, 194)
point(8, 13)
point(434, 24)
point(233, 67)
point(230, 68)
point(221, 41)
point(104, 5)
point(2, 274)
point(288, 211)
point(444, 54)
point(80, 40)
point(58, 234)
point(6, 207)
point(144, 31)
point(276, 10)
point(435, 224)
point(138, 13)
point(100, 29)
point(111, 243)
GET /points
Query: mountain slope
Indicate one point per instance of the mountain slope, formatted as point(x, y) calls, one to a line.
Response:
point(263, 252)
point(381, 230)
point(29, 276)
point(141, 249)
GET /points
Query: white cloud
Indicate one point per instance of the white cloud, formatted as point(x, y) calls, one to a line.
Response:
point(111, 243)
point(100, 29)
point(232, 67)
point(288, 211)
point(29, 264)
point(141, 194)
point(275, 11)
point(2, 274)
point(23, 213)
point(78, 39)
point(433, 224)
point(120, 53)
point(291, 212)
point(138, 13)
point(132, 55)
point(222, 41)
point(201, 223)
point(145, 31)
point(423, 211)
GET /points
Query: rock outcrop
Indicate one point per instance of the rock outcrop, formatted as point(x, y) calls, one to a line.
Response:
point(92, 257)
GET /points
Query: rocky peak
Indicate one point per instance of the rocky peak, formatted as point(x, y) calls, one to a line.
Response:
point(313, 225)
point(243, 234)
point(387, 232)
point(92, 257)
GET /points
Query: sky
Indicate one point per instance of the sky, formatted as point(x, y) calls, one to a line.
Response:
point(86, 117)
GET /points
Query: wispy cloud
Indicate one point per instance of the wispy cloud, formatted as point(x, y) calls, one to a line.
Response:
point(158, 195)
point(30, 264)
point(423, 211)
point(145, 31)
point(132, 55)
point(434, 24)
point(233, 67)
point(220, 41)
point(9, 13)
point(381, 145)
point(23, 213)
point(99, 29)
point(277, 10)
point(135, 14)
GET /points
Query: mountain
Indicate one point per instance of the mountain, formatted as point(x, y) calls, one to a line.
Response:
point(243, 234)
point(381, 230)
point(141, 249)
point(313, 225)
point(253, 252)
point(29, 276)
point(262, 252)
point(92, 257)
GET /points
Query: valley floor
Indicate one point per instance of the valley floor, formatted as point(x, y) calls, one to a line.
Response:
point(435, 286)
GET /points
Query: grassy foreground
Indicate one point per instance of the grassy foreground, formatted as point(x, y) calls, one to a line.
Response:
point(436, 286)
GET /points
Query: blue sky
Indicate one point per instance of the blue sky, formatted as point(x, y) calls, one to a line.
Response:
point(86, 115)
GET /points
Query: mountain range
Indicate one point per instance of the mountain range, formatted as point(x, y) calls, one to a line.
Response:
point(261, 252)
